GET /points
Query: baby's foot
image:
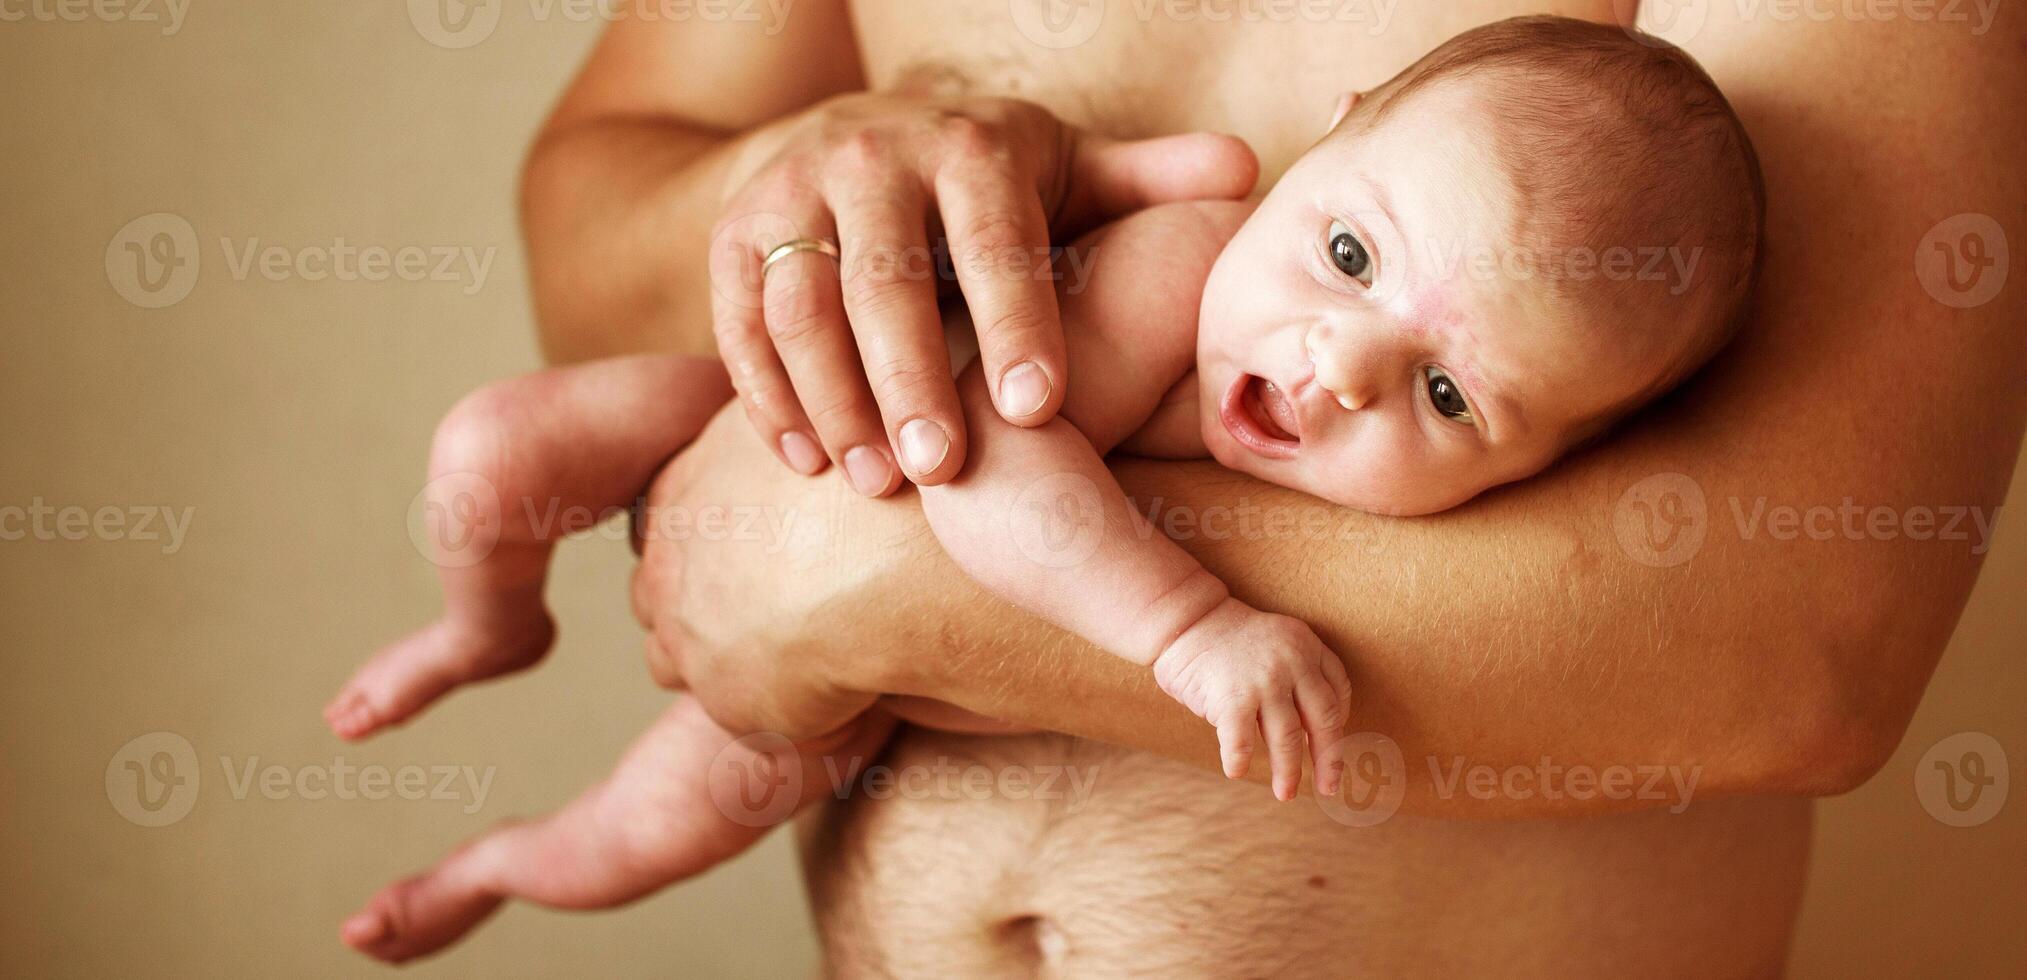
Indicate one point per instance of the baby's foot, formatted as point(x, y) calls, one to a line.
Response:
point(653, 822)
point(420, 915)
point(1249, 672)
point(408, 674)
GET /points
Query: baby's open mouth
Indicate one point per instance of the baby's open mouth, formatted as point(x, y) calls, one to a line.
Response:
point(1258, 414)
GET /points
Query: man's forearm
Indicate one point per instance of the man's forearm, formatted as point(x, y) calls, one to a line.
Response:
point(620, 192)
point(1512, 632)
point(617, 214)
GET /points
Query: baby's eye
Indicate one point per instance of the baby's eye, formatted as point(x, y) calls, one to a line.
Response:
point(1349, 254)
point(1447, 397)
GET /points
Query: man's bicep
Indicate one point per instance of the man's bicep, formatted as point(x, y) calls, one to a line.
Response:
point(1891, 169)
point(731, 73)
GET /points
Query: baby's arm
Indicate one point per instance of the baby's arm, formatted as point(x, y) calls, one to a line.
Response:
point(515, 467)
point(1036, 517)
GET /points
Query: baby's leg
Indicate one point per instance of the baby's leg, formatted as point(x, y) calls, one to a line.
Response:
point(515, 467)
point(684, 797)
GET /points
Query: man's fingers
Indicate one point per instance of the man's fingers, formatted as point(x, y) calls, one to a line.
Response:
point(890, 296)
point(805, 316)
point(739, 325)
point(999, 244)
point(1110, 178)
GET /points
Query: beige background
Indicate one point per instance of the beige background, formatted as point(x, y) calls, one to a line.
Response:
point(292, 417)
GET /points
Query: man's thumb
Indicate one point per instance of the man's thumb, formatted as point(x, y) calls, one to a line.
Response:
point(1110, 178)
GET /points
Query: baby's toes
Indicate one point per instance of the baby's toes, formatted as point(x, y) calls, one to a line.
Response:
point(416, 917)
point(350, 715)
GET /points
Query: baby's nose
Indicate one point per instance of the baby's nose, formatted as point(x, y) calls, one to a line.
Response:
point(1341, 370)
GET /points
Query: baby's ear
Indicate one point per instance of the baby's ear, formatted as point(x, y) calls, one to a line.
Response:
point(1343, 107)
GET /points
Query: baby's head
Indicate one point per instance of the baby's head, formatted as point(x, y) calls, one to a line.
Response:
point(1526, 235)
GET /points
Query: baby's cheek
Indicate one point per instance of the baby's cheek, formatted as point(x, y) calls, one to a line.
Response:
point(1375, 472)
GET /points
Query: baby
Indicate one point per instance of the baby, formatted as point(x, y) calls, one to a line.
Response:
point(1529, 233)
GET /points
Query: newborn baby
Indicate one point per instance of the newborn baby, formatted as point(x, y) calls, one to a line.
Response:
point(1487, 260)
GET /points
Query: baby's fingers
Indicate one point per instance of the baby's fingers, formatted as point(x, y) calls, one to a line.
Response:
point(1235, 740)
point(1324, 713)
point(1283, 727)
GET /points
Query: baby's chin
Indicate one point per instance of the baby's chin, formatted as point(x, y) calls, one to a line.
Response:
point(1397, 495)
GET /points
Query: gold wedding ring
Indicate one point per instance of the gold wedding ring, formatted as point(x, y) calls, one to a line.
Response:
point(786, 249)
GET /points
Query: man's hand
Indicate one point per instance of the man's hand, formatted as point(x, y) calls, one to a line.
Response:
point(737, 566)
point(842, 359)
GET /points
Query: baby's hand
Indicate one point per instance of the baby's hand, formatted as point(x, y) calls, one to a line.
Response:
point(1244, 671)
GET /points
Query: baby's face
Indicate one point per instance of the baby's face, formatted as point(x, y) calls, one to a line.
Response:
point(1351, 344)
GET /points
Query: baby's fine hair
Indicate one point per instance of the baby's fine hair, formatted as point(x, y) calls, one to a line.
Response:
point(1615, 139)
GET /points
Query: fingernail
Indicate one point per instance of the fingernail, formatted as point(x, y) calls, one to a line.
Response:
point(802, 453)
point(1023, 389)
point(867, 469)
point(923, 445)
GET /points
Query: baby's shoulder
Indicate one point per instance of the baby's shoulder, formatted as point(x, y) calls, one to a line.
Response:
point(1149, 266)
point(1179, 230)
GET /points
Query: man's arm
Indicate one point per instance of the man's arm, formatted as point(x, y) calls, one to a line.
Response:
point(619, 193)
point(1523, 625)
point(1553, 618)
